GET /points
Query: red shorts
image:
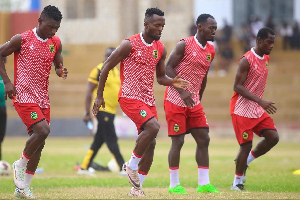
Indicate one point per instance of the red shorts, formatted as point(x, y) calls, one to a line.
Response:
point(32, 114)
point(244, 127)
point(137, 111)
point(182, 119)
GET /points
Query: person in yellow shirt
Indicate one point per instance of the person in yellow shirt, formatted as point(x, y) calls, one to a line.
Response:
point(106, 130)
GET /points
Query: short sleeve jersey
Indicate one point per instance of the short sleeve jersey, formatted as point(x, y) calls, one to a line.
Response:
point(2, 93)
point(111, 89)
point(193, 68)
point(255, 83)
point(32, 67)
point(138, 69)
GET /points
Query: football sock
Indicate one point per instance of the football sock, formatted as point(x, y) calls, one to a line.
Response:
point(134, 161)
point(174, 176)
point(23, 160)
point(251, 157)
point(142, 176)
point(203, 175)
point(238, 179)
point(27, 178)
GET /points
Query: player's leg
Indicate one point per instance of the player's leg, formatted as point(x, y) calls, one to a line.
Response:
point(144, 167)
point(96, 145)
point(174, 160)
point(265, 128)
point(176, 121)
point(3, 120)
point(145, 118)
point(244, 136)
point(37, 122)
point(110, 138)
point(202, 139)
point(197, 125)
point(241, 163)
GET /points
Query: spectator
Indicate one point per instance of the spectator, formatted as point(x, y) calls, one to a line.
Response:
point(286, 33)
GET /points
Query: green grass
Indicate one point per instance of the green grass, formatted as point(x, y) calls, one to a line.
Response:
point(269, 177)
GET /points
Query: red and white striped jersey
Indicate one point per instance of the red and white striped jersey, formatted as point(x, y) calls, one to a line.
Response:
point(193, 67)
point(137, 70)
point(32, 67)
point(255, 83)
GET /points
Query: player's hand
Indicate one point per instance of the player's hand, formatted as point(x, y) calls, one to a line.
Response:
point(10, 90)
point(99, 101)
point(187, 98)
point(61, 71)
point(267, 106)
point(180, 83)
point(87, 118)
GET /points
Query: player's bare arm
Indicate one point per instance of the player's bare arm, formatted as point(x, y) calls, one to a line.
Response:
point(5, 50)
point(173, 60)
point(238, 87)
point(88, 100)
point(165, 80)
point(117, 56)
point(60, 70)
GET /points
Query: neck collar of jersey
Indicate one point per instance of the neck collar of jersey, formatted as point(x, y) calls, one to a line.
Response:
point(38, 37)
point(258, 56)
point(199, 42)
point(149, 45)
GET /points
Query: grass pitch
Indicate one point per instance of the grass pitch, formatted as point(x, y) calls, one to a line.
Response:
point(269, 177)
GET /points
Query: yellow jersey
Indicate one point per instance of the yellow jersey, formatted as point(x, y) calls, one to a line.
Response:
point(111, 89)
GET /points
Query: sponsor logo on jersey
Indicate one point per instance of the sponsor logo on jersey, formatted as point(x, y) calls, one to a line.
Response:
point(267, 65)
point(208, 58)
point(139, 53)
point(155, 53)
point(33, 115)
point(143, 113)
point(52, 49)
point(176, 128)
point(245, 136)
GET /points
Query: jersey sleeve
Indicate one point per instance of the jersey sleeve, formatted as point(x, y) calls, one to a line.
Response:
point(94, 76)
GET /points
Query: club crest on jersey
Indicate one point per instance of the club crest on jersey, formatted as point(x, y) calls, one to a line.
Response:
point(267, 65)
point(143, 113)
point(208, 58)
point(33, 115)
point(139, 53)
point(52, 50)
point(176, 128)
point(245, 136)
point(155, 53)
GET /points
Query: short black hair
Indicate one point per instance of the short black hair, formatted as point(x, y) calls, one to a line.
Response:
point(264, 32)
point(51, 12)
point(153, 11)
point(203, 18)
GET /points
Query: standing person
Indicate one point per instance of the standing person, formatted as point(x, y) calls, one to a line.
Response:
point(106, 130)
point(140, 55)
point(191, 57)
point(247, 108)
point(3, 116)
point(34, 52)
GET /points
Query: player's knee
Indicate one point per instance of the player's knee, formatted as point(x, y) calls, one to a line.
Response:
point(44, 132)
point(274, 139)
